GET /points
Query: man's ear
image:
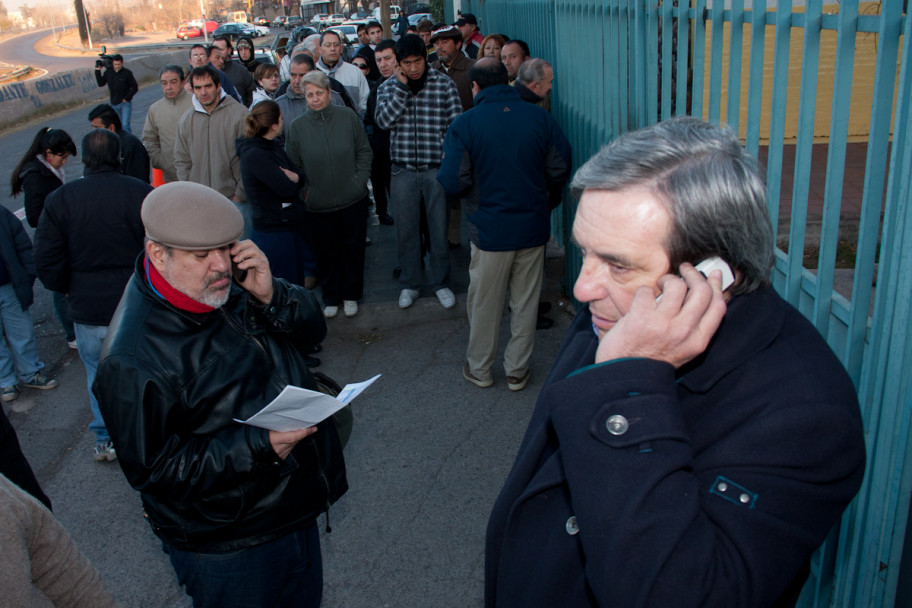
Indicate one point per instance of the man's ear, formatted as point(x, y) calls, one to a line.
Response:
point(475, 89)
point(156, 254)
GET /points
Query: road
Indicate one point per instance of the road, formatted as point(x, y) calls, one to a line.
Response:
point(20, 50)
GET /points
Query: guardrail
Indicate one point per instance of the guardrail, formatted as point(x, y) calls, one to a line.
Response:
point(16, 75)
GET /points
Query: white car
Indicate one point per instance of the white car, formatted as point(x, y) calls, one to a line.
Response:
point(261, 30)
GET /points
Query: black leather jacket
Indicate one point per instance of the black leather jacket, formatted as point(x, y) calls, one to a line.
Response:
point(170, 384)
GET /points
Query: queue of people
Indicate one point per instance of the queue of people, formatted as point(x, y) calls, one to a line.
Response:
point(646, 460)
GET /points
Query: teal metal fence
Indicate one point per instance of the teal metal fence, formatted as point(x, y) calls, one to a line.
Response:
point(796, 98)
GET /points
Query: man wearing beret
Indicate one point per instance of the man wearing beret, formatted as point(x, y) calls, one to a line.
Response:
point(194, 346)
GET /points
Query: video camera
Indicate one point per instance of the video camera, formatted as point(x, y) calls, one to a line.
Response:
point(104, 61)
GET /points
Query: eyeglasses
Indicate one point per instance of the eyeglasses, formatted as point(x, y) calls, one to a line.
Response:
point(361, 66)
point(331, 45)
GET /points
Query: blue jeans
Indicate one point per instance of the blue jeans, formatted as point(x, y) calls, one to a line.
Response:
point(287, 572)
point(124, 109)
point(19, 346)
point(90, 338)
point(407, 188)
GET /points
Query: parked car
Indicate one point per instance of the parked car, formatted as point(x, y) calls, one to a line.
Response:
point(418, 17)
point(185, 32)
point(259, 29)
point(335, 20)
point(262, 20)
point(318, 19)
point(293, 21)
point(235, 31)
point(279, 21)
point(420, 8)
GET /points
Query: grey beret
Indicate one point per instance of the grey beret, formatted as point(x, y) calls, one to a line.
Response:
point(191, 216)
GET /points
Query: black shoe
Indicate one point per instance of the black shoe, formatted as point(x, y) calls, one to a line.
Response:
point(455, 245)
point(312, 349)
point(311, 361)
point(386, 219)
point(544, 307)
point(397, 271)
point(544, 323)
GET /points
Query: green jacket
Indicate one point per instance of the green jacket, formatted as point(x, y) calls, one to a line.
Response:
point(330, 145)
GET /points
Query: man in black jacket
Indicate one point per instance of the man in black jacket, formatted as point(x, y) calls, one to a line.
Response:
point(134, 159)
point(121, 86)
point(87, 239)
point(190, 352)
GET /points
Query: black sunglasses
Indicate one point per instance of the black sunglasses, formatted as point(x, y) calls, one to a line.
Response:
point(362, 66)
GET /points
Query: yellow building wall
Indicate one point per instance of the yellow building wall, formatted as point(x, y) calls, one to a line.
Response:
point(862, 78)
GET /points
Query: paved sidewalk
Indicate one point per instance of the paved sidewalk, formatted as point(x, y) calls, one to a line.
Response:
point(427, 457)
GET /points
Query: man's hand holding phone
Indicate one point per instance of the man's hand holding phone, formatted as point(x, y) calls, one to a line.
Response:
point(675, 328)
point(250, 269)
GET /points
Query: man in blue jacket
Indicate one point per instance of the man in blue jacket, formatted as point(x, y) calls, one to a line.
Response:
point(507, 155)
point(688, 451)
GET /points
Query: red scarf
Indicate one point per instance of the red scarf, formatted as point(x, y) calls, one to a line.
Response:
point(169, 294)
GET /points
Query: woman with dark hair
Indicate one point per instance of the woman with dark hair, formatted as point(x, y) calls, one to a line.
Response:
point(329, 142)
point(40, 172)
point(266, 77)
point(272, 182)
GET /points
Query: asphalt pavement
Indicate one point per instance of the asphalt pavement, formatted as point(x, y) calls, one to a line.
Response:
point(425, 462)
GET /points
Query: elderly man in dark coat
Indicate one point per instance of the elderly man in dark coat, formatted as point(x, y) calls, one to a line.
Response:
point(690, 451)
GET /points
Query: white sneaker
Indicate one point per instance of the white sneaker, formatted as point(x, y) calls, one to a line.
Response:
point(330, 311)
point(407, 297)
point(350, 307)
point(446, 297)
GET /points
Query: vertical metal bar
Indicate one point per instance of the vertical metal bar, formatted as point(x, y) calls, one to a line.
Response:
point(876, 164)
point(807, 104)
point(836, 155)
point(735, 67)
point(755, 85)
point(878, 517)
point(778, 111)
point(683, 57)
point(715, 61)
point(666, 15)
point(651, 51)
point(699, 57)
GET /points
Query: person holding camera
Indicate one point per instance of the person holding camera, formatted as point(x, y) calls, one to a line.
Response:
point(121, 86)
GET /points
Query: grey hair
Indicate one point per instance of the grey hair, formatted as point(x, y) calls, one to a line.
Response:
point(172, 68)
point(532, 70)
point(316, 78)
point(311, 43)
point(712, 187)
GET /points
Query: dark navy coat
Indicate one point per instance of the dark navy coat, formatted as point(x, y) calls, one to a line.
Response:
point(508, 154)
point(711, 485)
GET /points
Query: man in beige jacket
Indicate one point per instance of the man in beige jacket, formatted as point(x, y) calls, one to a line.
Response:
point(160, 129)
point(204, 150)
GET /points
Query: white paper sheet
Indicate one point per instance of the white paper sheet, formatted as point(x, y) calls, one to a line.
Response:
point(298, 408)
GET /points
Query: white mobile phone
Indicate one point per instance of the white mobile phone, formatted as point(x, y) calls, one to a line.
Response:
point(717, 263)
point(714, 263)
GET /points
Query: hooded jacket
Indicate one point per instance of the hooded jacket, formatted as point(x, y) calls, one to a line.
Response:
point(204, 151)
point(332, 148)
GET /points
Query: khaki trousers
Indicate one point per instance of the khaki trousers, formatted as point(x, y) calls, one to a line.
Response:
point(490, 274)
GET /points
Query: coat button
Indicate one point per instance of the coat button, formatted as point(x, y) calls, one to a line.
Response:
point(571, 526)
point(617, 425)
